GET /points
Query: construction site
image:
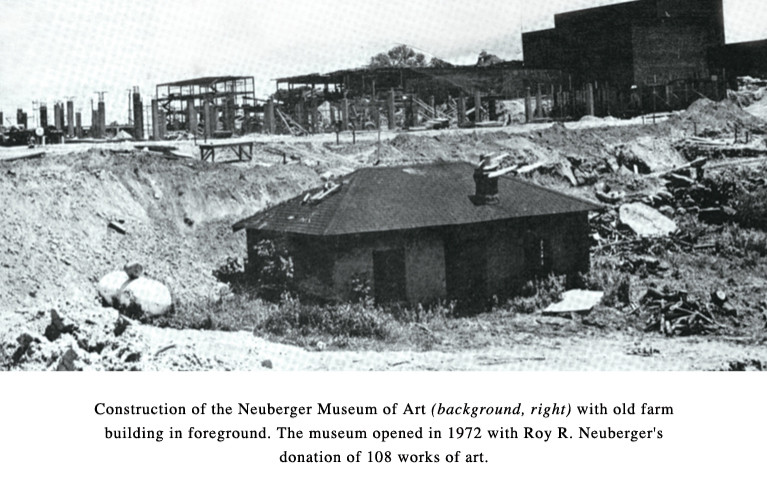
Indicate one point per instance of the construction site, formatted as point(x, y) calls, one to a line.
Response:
point(600, 204)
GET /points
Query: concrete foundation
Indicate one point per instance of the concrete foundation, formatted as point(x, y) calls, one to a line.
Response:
point(191, 118)
point(43, 117)
point(102, 119)
point(138, 115)
point(79, 124)
point(70, 119)
point(155, 121)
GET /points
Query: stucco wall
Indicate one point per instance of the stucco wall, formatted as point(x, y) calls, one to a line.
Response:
point(328, 267)
point(355, 261)
point(424, 263)
point(425, 268)
point(505, 260)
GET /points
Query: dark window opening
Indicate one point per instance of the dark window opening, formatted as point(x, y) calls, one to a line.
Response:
point(465, 270)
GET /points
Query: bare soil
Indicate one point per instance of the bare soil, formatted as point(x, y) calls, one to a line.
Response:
point(177, 216)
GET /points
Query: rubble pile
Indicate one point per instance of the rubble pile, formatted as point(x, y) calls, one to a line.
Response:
point(710, 118)
point(101, 340)
point(646, 155)
point(742, 145)
point(676, 314)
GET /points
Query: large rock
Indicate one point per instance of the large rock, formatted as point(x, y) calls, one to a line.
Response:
point(646, 221)
point(67, 361)
point(649, 155)
point(58, 326)
point(134, 270)
point(145, 296)
point(110, 286)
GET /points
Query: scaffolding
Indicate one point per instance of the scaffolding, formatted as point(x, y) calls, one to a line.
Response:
point(209, 106)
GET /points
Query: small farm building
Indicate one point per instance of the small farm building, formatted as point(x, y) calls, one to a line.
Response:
point(423, 233)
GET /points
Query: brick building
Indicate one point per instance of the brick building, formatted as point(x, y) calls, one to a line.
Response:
point(644, 42)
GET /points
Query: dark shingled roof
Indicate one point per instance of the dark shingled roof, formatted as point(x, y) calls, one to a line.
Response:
point(409, 197)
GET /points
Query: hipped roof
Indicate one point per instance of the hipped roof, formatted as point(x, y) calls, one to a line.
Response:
point(409, 197)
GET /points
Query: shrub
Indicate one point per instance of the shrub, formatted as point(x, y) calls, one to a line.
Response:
point(538, 294)
point(340, 320)
point(420, 314)
point(751, 208)
point(238, 312)
point(616, 286)
point(269, 275)
point(362, 291)
point(739, 242)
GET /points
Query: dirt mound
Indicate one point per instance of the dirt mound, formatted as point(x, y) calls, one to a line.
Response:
point(716, 118)
point(648, 154)
point(173, 217)
point(755, 103)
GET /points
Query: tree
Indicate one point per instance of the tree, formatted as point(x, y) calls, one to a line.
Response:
point(437, 63)
point(401, 56)
point(487, 59)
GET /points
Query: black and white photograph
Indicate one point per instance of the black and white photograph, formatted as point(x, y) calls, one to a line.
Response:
point(386, 186)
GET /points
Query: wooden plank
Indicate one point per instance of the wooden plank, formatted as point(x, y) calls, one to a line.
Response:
point(285, 122)
point(25, 156)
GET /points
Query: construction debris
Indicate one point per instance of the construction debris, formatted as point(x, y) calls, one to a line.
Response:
point(116, 227)
point(35, 155)
point(675, 314)
point(646, 221)
point(646, 155)
point(328, 189)
point(58, 326)
point(575, 301)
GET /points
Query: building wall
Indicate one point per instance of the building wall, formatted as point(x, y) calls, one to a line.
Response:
point(312, 260)
point(669, 51)
point(542, 49)
point(709, 13)
point(632, 42)
point(505, 260)
point(741, 59)
point(570, 242)
point(424, 263)
point(327, 268)
point(355, 262)
point(425, 268)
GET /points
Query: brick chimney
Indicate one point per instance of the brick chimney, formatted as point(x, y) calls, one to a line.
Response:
point(486, 179)
point(486, 191)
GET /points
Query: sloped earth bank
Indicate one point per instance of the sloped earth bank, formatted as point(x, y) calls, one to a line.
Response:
point(176, 216)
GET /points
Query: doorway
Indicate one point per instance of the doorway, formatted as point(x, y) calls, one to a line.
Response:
point(389, 276)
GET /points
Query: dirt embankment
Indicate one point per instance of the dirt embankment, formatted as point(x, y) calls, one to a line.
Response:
point(56, 239)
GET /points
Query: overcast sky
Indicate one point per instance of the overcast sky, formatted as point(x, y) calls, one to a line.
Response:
point(52, 49)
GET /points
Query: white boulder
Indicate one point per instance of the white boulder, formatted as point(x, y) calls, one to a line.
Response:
point(146, 296)
point(110, 285)
point(646, 221)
